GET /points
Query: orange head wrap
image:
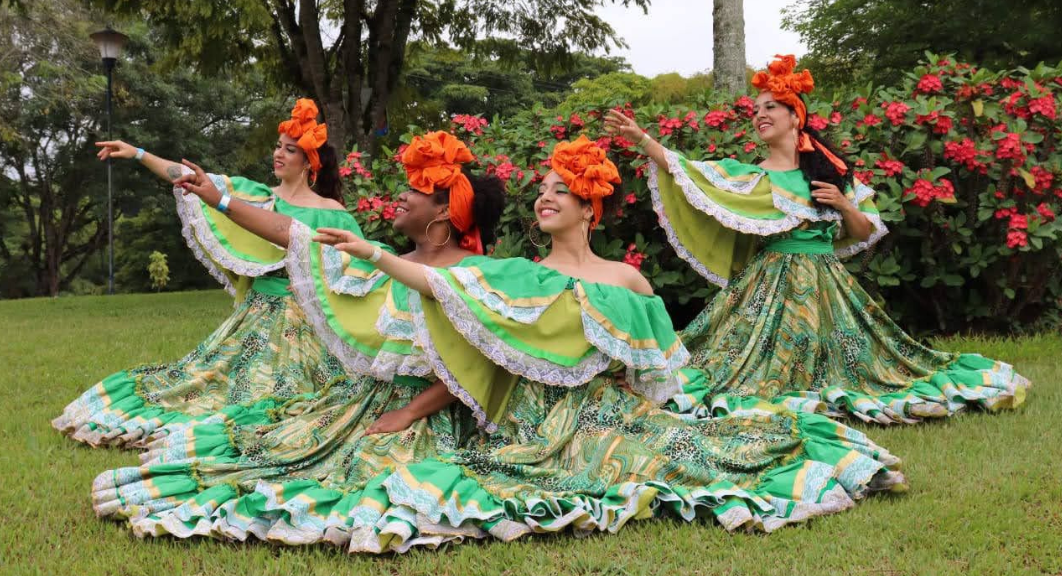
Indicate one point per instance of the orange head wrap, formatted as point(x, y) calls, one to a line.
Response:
point(434, 161)
point(786, 85)
point(304, 128)
point(586, 171)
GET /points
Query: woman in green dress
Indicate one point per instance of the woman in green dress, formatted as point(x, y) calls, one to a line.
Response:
point(265, 354)
point(791, 325)
point(573, 442)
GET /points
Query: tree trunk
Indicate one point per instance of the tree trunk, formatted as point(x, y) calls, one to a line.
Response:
point(728, 45)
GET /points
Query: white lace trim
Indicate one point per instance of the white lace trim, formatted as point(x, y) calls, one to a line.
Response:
point(439, 367)
point(471, 285)
point(701, 202)
point(385, 365)
point(880, 231)
point(341, 283)
point(720, 182)
point(200, 238)
point(672, 236)
point(504, 355)
point(650, 372)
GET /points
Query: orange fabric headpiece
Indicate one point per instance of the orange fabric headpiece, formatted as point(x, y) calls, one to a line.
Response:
point(786, 86)
point(304, 128)
point(434, 161)
point(586, 171)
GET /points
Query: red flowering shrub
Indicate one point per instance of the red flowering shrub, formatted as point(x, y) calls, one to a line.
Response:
point(965, 162)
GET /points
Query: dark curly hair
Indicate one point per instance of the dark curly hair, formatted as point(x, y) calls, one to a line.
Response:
point(816, 166)
point(488, 202)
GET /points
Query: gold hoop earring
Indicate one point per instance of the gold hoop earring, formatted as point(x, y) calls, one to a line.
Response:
point(532, 235)
point(449, 232)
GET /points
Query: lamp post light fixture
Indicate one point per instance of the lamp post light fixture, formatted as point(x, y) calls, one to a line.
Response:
point(110, 43)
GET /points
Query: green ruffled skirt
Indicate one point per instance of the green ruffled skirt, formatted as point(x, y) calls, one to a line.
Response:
point(796, 329)
point(590, 458)
point(260, 359)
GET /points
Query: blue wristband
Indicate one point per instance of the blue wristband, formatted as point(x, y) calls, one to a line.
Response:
point(139, 153)
point(223, 205)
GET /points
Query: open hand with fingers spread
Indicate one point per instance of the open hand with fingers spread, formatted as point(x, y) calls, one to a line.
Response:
point(617, 123)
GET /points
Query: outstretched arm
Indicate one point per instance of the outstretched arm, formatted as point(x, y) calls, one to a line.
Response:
point(163, 168)
point(409, 273)
point(616, 123)
point(265, 224)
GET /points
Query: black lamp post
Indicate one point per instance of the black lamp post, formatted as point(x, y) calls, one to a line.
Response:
point(110, 43)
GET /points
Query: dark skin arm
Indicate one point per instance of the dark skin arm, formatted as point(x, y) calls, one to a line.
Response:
point(274, 228)
point(430, 401)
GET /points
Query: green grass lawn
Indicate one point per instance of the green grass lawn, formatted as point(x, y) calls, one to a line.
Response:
point(985, 497)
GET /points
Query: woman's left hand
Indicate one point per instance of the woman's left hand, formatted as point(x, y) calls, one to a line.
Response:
point(828, 195)
point(344, 241)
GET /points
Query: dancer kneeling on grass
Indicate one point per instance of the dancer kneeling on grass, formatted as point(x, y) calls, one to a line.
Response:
point(560, 365)
point(266, 353)
point(791, 325)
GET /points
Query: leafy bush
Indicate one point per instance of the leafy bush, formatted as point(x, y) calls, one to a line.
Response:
point(965, 162)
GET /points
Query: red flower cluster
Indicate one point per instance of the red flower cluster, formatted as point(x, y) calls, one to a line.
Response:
point(745, 104)
point(891, 167)
point(941, 124)
point(1010, 147)
point(1044, 106)
point(669, 125)
point(716, 119)
point(1044, 179)
point(929, 84)
point(354, 166)
point(869, 120)
point(922, 192)
point(471, 124)
point(835, 118)
point(634, 257)
point(1045, 212)
point(381, 207)
point(818, 122)
point(559, 132)
point(896, 112)
point(859, 101)
point(965, 152)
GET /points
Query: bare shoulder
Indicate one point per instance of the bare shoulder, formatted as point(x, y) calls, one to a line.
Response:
point(630, 278)
point(330, 204)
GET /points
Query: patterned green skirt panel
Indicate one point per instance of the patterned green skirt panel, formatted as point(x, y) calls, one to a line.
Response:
point(260, 358)
point(797, 329)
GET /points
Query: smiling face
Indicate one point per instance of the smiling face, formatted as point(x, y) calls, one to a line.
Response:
point(415, 210)
point(289, 161)
point(773, 120)
point(557, 209)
